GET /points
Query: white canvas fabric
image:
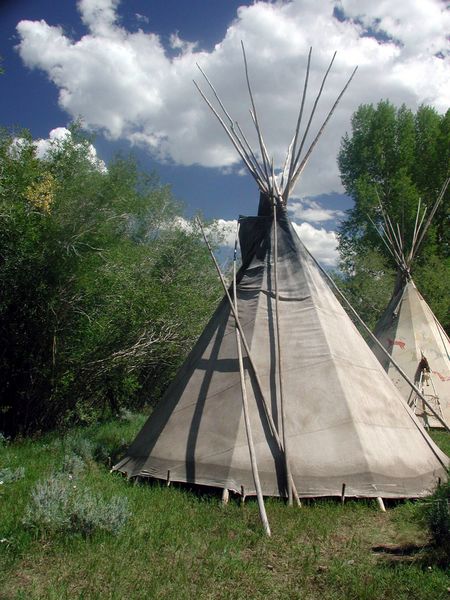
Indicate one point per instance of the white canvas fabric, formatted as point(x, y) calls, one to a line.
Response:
point(409, 331)
point(346, 423)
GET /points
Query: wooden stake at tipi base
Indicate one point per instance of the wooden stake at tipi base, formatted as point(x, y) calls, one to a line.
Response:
point(281, 392)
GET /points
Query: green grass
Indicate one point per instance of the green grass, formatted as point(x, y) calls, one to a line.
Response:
point(185, 545)
point(442, 439)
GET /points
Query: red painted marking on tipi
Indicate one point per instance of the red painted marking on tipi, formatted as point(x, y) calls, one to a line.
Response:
point(396, 343)
point(441, 377)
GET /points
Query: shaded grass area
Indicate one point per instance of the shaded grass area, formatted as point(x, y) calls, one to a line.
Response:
point(185, 545)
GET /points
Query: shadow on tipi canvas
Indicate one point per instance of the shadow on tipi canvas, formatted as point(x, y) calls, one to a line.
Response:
point(309, 397)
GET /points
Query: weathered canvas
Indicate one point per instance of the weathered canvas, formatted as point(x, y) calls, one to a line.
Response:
point(346, 423)
point(410, 332)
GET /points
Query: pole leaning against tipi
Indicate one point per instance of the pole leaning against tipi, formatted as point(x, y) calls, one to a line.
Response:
point(248, 428)
point(279, 357)
point(267, 412)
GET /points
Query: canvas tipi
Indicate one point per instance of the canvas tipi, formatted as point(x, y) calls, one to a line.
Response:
point(411, 333)
point(281, 393)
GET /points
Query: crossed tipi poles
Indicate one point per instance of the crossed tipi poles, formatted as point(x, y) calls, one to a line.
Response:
point(261, 167)
point(202, 432)
point(276, 188)
point(277, 192)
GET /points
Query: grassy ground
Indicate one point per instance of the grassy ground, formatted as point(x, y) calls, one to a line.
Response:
point(184, 545)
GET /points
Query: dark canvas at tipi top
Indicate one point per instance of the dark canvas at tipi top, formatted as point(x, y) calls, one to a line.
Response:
point(345, 422)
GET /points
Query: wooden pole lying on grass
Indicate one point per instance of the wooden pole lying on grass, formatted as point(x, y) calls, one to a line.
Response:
point(249, 356)
point(248, 428)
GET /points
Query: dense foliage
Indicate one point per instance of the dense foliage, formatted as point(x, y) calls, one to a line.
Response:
point(102, 292)
point(399, 157)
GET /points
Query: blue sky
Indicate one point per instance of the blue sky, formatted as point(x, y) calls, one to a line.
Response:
point(126, 68)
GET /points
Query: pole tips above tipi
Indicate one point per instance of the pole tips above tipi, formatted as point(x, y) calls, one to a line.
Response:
point(275, 184)
point(394, 239)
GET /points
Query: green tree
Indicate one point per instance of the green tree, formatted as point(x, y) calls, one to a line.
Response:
point(102, 293)
point(398, 157)
point(369, 286)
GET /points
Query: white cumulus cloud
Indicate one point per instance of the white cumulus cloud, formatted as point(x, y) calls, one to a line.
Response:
point(128, 85)
point(311, 211)
point(321, 243)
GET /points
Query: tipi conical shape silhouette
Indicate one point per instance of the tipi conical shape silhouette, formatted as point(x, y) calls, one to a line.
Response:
point(412, 334)
point(346, 426)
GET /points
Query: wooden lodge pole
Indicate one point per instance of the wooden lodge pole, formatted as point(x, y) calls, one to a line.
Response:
point(249, 356)
point(279, 357)
point(248, 427)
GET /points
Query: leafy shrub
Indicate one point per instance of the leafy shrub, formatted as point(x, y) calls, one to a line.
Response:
point(92, 512)
point(110, 447)
point(73, 464)
point(9, 475)
point(127, 415)
point(50, 506)
point(105, 449)
point(439, 520)
point(58, 506)
point(95, 270)
point(81, 446)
